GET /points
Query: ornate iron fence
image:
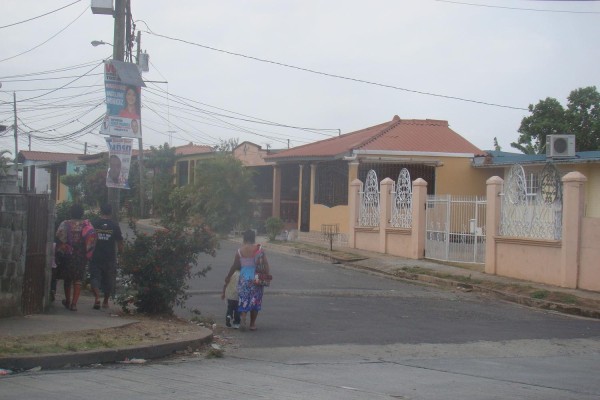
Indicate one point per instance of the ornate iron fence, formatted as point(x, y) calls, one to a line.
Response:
point(532, 210)
point(369, 202)
point(402, 204)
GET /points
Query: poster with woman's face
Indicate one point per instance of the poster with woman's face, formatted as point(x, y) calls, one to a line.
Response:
point(119, 161)
point(123, 106)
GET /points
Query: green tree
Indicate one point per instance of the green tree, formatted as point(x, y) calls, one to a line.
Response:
point(221, 193)
point(226, 146)
point(94, 183)
point(548, 117)
point(73, 182)
point(161, 161)
point(583, 118)
point(496, 145)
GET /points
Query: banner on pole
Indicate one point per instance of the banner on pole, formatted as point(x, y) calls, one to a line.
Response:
point(122, 84)
point(119, 161)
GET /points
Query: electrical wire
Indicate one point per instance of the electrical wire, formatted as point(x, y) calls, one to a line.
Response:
point(519, 8)
point(47, 40)
point(47, 79)
point(39, 16)
point(254, 119)
point(312, 71)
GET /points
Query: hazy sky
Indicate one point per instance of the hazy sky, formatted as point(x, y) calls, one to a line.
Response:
point(416, 59)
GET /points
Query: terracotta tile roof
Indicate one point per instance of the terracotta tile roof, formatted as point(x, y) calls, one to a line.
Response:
point(47, 156)
point(191, 149)
point(409, 135)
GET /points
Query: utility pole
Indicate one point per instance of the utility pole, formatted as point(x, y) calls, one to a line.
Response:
point(15, 133)
point(114, 194)
point(140, 143)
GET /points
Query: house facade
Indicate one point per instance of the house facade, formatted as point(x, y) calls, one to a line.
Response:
point(499, 163)
point(187, 157)
point(314, 179)
point(39, 177)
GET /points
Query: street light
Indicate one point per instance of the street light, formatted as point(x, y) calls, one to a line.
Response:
point(96, 43)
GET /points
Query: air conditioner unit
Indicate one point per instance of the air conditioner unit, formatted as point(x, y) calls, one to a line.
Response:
point(558, 146)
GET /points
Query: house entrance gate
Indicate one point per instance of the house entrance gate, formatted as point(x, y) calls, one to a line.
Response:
point(455, 228)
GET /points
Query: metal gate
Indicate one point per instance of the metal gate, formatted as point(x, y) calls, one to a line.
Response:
point(34, 279)
point(455, 228)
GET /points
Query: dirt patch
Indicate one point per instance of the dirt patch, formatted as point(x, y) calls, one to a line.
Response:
point(142, 331)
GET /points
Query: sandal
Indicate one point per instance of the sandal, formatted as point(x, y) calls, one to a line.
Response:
point(66, 304)
point(73, 307)
point(252, 328)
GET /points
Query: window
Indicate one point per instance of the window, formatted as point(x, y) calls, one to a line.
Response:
point(182, 173)
point(331, 183)
point(392, 171)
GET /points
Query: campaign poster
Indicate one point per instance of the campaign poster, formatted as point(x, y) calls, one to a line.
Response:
point(123, 106)
point(119, 161)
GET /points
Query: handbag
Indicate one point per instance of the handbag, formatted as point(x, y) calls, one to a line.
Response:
point(261, 278)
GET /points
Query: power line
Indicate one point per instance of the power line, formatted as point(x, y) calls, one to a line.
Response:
point(52, 71)
point(47, 40)
point(47, 79)
point(65, 85)
point(253, 120)
point(39, 16)
point(337, 76)
point(520, 8)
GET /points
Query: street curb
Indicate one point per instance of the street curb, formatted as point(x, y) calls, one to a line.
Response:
point(511, 297)
point(105, 356)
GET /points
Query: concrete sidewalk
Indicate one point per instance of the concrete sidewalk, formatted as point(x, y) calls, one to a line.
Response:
point(58, 320)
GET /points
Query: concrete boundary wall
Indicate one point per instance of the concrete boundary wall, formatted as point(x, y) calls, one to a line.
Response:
point(402, 242)
point(571, 262)
point(13, 244)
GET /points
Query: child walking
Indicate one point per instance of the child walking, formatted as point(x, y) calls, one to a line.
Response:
point(230, 291)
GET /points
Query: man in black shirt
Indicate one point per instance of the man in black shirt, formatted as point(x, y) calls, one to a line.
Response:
point(103, 266)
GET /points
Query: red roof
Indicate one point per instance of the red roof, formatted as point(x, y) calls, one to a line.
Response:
point(409, 135)
point(191, 149)
point(47, 156)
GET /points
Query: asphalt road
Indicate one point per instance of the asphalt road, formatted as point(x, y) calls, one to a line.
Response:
point(327, 332)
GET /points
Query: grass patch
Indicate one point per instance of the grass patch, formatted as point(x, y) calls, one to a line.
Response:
point(565, 298)
point(540, 294)
point(425, 271)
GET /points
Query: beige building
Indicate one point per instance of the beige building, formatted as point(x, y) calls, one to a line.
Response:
point(312, 181)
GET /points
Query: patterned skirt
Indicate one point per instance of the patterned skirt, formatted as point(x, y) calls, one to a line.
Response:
point(250, 295)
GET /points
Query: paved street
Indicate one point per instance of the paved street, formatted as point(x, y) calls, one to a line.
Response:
point(329, 332)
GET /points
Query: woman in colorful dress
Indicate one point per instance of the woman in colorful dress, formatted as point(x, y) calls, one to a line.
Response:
point(76, 240)
point(250, 294)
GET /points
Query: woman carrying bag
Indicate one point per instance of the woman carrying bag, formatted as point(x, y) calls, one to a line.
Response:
point(250, 260)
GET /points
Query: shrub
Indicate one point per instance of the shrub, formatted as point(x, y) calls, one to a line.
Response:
point(273, 225)
point(156, 267)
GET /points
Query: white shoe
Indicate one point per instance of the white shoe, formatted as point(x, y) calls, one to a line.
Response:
point(236, 326)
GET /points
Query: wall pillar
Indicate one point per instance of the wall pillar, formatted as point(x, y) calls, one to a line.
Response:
point(419, 230)
point(572, 215)
point(300, 189)
point(353, 205)
point(313, 180)
point(385, 208)
point(492, 221)
point(276, 212)
point(352, 170)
